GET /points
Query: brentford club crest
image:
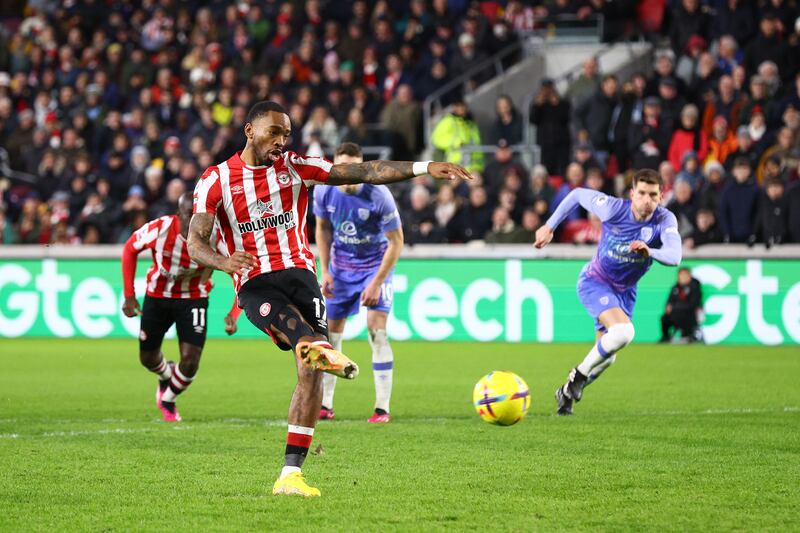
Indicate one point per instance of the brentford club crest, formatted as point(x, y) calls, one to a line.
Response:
point(284, 179)
point(264, 309)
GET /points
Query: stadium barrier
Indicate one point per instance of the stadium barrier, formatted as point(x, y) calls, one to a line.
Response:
point(441, 293)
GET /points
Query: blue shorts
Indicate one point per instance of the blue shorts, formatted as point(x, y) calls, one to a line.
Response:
point(597, 296)
point(347, 288)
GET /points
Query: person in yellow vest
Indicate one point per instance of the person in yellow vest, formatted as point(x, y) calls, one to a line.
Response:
point(454, 131)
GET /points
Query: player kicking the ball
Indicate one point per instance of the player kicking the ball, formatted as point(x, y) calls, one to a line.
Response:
point(260, 199)
point(177, 293)
point(359, 238)
point(635, 232)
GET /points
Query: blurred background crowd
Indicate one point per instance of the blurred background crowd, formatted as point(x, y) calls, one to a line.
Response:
point(113, 109)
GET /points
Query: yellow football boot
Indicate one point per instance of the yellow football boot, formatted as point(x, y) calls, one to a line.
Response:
point(294, 484)
point(320, 356)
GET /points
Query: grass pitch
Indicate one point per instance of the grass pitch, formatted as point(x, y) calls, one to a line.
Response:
point(671, 438)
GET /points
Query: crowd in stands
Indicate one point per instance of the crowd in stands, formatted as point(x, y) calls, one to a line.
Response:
point(115, 109)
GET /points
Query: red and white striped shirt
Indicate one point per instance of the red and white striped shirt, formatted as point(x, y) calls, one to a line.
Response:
point(173, 274)
point(262, 210)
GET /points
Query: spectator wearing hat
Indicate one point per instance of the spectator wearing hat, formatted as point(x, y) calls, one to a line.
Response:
point(772, 221)
point(467, 57)
point(584, 157)
point(722, 142)
point(671, 100)
point(594, 116)
point(688, 136)
point(688, 63)
point(431, 80)
point(551, 115)
point(709, 193)
point(689, 18)
point(767, 45)
point(508, 122)
point(691, 170)
point(649, 138)
point(739, 204)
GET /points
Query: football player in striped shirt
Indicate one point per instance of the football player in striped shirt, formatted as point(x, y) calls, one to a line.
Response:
point(259, 197)
point(177, 293)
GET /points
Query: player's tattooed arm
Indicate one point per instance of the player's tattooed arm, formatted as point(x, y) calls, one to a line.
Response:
point(200, 228)
point(384, 172)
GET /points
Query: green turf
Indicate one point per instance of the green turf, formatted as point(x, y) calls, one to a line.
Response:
point(672, 438)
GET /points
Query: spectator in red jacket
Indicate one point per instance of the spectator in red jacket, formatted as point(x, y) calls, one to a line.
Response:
point(688, 136)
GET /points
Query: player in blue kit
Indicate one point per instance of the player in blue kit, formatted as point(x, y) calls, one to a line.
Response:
point(359, 237)
point(635, 232)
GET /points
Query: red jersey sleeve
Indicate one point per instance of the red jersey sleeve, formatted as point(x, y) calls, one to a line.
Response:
point(144, 237)
point(312, 170)
point(207, 192)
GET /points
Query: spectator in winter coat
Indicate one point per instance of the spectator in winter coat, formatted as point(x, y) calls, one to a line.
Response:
point(772, 218)
point(508, 122)
point(726, 103)
point(684, 304)
point(683, 207)
point(722, 142)
point(594, 115)
point(705, 230)
point(688, 19)
point(419, 222)
point(671, 100)
point(688, 136)
point(738, 205)
point(474, 219)
point(648, 140)
point(455, 130)
point(709, 193)
point(744, 148)
point(691, 171)
point(551, 115)
point(767, 46)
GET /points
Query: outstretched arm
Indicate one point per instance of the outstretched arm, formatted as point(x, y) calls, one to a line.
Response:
point(201, 251)
point(593, 201)
point(384, 172)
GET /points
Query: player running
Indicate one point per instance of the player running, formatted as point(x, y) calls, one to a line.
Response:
point(635, 232)
point(260, 198)
point(177, 293)
point(359, 238)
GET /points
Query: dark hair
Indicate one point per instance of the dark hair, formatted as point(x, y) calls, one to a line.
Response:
point(648, 175)
point(351, 149)
point(684, 269)
point(262, 108)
